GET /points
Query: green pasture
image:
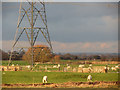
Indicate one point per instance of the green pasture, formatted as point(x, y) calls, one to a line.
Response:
point(24, 77)
point(5, 63)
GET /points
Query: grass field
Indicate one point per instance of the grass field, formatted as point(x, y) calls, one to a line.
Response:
point(13, 77)
point(54, 76)
point(5, 63)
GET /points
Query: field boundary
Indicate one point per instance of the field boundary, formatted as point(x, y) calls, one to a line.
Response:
point(97, 84)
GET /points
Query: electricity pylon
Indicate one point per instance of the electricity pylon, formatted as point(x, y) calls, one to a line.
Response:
point(31, 21)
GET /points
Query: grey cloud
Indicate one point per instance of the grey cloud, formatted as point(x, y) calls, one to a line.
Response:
point(69, 22)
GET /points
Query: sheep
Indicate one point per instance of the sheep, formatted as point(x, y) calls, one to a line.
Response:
point(90, 65)
point(28, 66)
point(108, 68)
point(54, 66)
point(105, 67)
point(116, 67)
point(90, 69)
point(67, 64)
point(44, 79)
point(58, 65)
point(100, 70)
point(81, 66)
point(86, 70)
point(113, 68)
point(89, 78)
point(68, 67)
point(12, 64)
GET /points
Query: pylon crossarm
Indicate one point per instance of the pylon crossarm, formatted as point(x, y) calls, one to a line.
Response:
point(39, 14)
point(33, 28)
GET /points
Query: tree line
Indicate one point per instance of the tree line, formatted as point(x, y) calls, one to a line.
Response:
point(24, 54)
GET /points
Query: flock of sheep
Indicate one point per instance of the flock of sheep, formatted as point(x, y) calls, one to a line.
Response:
point(82, 68)
point(89, 78)
point(90, 68)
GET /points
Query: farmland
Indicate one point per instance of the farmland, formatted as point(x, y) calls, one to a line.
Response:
point(55, 76)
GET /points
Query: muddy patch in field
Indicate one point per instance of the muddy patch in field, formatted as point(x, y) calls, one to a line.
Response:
point(66, 85)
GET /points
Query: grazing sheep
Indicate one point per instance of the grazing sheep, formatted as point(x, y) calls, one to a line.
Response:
point(45, 79)
point(58, 65)
point(86, 70)
point(89, 78)
point(54, 66)
point(100, 70)
point(113, 68)
point(68, 67)
point(81, 66)
point(12, 64)
point(67, 64)
point(28, 66)
point(90, 65)
point(105, 67)
point(108, 68)
point(116, 67)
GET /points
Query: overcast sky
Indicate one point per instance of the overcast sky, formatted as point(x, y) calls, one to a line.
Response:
point(73, 27)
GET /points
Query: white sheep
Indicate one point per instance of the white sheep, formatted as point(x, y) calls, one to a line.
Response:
point(108, 68)
point(28, 66)
point(116, 67)
point(45, 79)
point(54, 66)
point(58, 65)
point(90, 65)
point(113, 68)
point(81, 66)
point(67, 64)
point(12, 64)
point(89, 78)
point(68, 67)
point(105, 67)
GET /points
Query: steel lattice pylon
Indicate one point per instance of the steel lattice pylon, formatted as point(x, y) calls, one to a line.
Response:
point(35, 14)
